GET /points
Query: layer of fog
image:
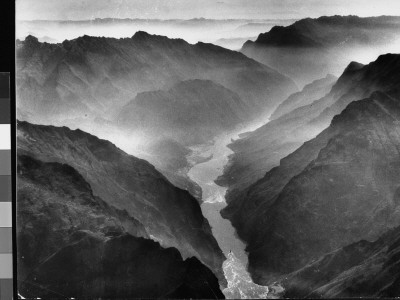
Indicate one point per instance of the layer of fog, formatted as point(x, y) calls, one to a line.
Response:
point(304, 65)
point(230, 34)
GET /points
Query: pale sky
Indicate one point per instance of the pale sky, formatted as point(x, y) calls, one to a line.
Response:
point(187, 9)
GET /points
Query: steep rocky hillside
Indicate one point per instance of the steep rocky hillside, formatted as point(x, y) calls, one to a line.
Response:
point(258, 152)
point(168, 214)
point(336, 189)
point(71, 243)
point(361, 269)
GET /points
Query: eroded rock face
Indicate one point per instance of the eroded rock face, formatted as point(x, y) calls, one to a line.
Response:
point(311, 48)
point(361, 269)
point(336, 189)
point(169, 215)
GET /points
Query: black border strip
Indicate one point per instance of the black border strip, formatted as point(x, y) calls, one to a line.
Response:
point(7, 64)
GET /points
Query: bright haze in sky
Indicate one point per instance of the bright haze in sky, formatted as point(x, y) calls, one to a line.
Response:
point(212, 9)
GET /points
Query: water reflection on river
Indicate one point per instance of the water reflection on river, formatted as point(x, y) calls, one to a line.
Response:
point(240, 284)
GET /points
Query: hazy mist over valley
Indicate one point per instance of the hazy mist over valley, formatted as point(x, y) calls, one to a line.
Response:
point(229, 33)
point(226, 150)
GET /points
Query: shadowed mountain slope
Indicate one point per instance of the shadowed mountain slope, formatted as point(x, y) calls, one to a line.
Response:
point(168, 214)
point(73, 244)
point(257, 152)
point(336, 189)
point(311, 92)
point(361, 269)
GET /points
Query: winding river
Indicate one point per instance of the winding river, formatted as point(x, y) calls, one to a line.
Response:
point(240, 285)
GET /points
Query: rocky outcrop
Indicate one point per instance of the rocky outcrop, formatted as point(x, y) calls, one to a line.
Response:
point(71, 243)
point(169, 215)
point(336, 189)
point(310, 48)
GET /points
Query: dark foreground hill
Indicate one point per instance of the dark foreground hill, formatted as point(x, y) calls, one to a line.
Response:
point(167, 214)
point(71, 243)
point(361, 269)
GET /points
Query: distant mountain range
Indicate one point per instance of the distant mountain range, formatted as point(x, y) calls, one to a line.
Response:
point(191, 30)
point(145, 20)
point(102, 84)
point(310, 48)
point(94, 76)
point(192, 111)
point(334, 190)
